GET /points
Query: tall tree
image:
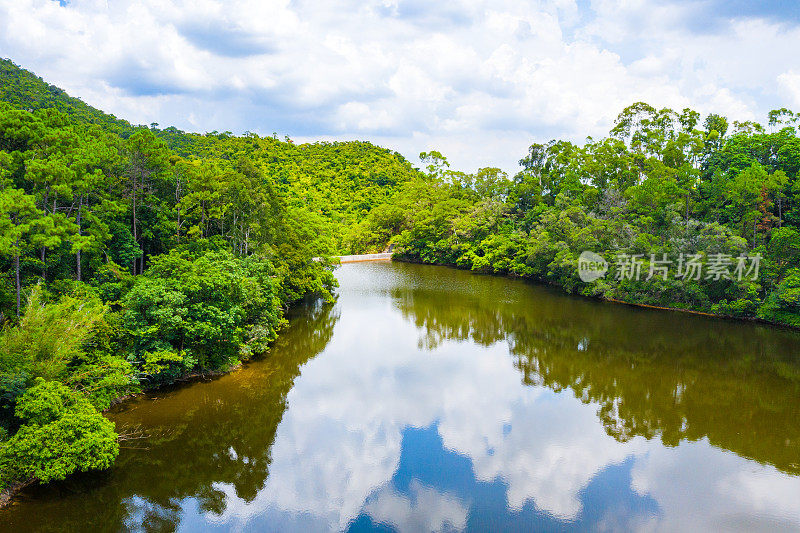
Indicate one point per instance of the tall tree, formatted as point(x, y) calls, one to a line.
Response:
point(147, 160)
point(19, 217)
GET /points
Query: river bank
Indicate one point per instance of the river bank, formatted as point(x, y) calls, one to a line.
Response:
point(425, 417)
point(737, 318)
point(7, 495)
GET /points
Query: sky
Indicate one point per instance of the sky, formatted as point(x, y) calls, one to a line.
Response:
point(342, 450)
point(477, 80)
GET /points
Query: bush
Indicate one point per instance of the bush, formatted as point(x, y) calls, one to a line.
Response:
point(49, 336)
point(61, 433)
point(783, 304)
point(204, 312)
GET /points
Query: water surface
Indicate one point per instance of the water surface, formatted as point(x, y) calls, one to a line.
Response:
point(431, 399)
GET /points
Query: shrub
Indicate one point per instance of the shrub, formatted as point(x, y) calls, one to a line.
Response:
point(61, 433)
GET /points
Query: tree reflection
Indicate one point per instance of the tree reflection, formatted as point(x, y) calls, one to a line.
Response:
point(202, 435)
point(652, 374)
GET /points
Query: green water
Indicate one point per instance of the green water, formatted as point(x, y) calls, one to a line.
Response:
point(432, 399)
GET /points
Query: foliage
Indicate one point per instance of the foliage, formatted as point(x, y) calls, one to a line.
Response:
point(25, 90)
point(658, 186)
point(141, 264)
point(783, 305)
point(202, 312)
point(49, 336)
point(61, 433)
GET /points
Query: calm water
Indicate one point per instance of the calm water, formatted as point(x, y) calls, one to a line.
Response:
point(431, 399)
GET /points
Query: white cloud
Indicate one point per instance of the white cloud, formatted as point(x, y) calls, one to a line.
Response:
point(789, 82)
point(340, 441)
point(478, 79)
point(701, 488)
point(425, 510)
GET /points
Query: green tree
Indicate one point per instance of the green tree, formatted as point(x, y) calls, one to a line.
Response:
point(61, 433)
point(784, 250)
point(49, 336)
point(201, 311)
point(147, 160)
point(19, 218)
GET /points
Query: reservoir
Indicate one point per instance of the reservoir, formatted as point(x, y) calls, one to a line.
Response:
point(432, 399)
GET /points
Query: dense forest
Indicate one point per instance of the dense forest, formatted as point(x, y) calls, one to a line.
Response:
point(133, 256)
point(705, 214)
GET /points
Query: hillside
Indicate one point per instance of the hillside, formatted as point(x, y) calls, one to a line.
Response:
point(25, 90)
point(341, 182)
point(125, 265)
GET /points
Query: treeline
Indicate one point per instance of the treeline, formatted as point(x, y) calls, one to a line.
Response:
point(336, 183)
point(25, 90)
point(124, 265)
point(662, 187)
point(132, 256)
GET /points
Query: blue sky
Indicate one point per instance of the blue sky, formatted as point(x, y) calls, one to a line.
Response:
point(478, 80)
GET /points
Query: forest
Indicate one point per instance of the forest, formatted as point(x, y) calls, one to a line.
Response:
point(663, 187)
point(135, 256)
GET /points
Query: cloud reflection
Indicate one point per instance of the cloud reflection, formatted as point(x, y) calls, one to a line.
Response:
point(433, 399)
point(343, 446)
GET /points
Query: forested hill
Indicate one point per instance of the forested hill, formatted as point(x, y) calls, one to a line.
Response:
point(132, 256)
point(25, 90)
point(341, 182)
